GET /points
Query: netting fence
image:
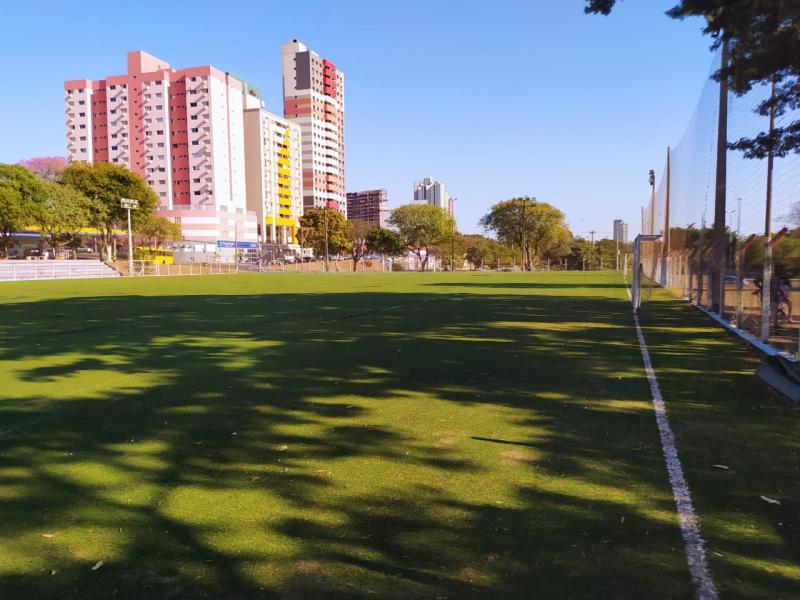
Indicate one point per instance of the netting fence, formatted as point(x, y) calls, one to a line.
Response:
point(748, 274)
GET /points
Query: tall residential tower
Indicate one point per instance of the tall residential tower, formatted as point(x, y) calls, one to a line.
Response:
point(313, 97)
point(620, 231)
point(181, 130)
point(430, 191)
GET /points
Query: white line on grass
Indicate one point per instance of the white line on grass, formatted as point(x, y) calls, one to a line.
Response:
point(690, 527)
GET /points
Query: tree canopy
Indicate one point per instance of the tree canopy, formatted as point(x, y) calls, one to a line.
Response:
point(314, 224)
point(527, 224)
point(422, 227)
point(104, 184)
point(61, 214)
point(356, 233)
point(385, 242)
point(20, 195)
point(154, 231)
point(763, 38)
point(48, 168)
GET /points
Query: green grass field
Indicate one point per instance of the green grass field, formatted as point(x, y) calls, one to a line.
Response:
point(380, 436)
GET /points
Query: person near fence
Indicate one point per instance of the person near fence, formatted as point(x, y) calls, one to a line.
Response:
point(785, 295)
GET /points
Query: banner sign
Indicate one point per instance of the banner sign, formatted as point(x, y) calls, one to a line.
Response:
point(230, 244)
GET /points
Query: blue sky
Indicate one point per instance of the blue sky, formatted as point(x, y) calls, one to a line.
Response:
point(498, 99)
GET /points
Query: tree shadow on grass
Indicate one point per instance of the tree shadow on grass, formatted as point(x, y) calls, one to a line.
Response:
point(241, 445)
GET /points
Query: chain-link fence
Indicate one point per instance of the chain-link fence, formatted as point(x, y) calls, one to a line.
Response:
point(748, 272)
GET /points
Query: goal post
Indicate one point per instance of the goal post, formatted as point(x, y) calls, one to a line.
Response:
point(645, 256)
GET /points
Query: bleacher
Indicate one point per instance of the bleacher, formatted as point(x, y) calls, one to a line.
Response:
point(18, 270)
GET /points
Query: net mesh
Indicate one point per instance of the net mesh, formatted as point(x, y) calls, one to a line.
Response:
point(755, 291)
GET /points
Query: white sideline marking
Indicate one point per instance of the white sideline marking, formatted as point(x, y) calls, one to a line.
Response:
point(690, 527)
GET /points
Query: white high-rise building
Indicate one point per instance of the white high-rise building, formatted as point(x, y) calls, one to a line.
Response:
point(620, 231)
point(273, 159)
point(430, 191)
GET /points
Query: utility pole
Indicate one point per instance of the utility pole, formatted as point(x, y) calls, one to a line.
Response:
point(327, 265)
point(524, 244)
point(128, 204)
point(591, 249)
point(236, 242)
point(453, 238)
point(765, 285)
point(718, 238)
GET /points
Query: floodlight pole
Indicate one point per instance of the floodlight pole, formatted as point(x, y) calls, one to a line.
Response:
point(128, 204)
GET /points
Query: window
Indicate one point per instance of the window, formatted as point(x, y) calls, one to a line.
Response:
point(113, 147)
point(160, 144)
point(83, 138)
point(83, 127)
point(194, 117)
point(113, 135)
point(193, 104)
point(195, 129)
point(195, 143)
point(159, 106)
point(162, 181)
point(197, 192)
point(196, 180)
point(81, 102)
point(113, 111)
point(160, 132)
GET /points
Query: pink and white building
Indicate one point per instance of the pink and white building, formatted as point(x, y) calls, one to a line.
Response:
point(313, 96)
point(182, 130)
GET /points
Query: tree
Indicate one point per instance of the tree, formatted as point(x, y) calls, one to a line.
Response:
point(421, 227)
point(104, 184)
point(47, 168)
point(763, 38)
point(20, 193)
point(524, 223)
point(385, 242)
point(356, 233)
point(154, 231)
point(62, 214)
point(557, 244)
point(582, 253)
point(321, 224)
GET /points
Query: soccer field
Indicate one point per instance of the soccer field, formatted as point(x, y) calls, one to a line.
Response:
point(323, 436)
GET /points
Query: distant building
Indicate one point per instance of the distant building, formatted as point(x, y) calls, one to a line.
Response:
point(620, 231)
point(370, 206)
point(451, 206)
point(430, 191)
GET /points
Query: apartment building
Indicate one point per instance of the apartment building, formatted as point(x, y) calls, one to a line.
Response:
point(370, 206)
point(313, 91)
point(274, 172)
point(180, 129)
point(430, 191)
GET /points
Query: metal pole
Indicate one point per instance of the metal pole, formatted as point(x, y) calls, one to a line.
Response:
point(524, 241)
point(591, 250)
point(765, 287)
point(718, 238)
point(130, 245)
point(665, 249)
point(327, 265)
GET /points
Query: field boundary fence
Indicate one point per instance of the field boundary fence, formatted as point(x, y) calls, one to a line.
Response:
point(729, 225)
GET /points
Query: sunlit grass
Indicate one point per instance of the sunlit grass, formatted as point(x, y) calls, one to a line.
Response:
point(357, 436)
